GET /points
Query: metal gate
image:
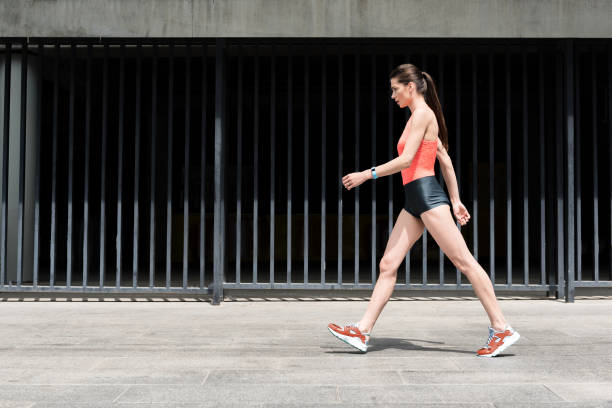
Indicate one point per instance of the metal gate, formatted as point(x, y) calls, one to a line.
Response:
point(140, 165)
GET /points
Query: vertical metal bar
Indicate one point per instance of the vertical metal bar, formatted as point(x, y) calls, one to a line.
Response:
point(153, 167)
point(578, 178)
point(542, 143)
point(595, 166)
point(340, 158)
point(86, 165)
point(37, 168)
point(324, 161)
point(203, 167)
point(186, 175)
point(5, 159)
point(289, 155)
point(441, 176)
point(407, 257)
point(22, 158)
point(390, 140)
point(169, 153)
point(256, 166)
point(239, 175)
point(357, 140)
point(70, 169)
point(569, 84)
point(458, 140)
point(137, 165)
point(273, 159)
point(609, 145)
point(424, 235)
point(373, 148)
point(508, 171)
point(559, 177)
point(306, 162)
point(491, 171)
point(219, 269)
point(120, 163)
point(54, 168)
point(103, 170)
point(525, 173)
point(474, 187)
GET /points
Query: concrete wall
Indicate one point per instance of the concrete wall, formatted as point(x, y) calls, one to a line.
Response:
point(307, 18)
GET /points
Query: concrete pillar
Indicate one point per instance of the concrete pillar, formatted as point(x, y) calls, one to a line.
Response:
point(33, 89)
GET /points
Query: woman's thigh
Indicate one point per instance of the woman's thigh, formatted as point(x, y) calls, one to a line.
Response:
point(405, 233)
point(441, 225)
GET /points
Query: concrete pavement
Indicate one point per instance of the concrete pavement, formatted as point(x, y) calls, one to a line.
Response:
point(276, 352)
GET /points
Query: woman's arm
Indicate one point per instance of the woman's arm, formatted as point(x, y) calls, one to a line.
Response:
point(446, 165)
point(420, 121)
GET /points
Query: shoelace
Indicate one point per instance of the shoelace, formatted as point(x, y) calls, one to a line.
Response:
point(492, 334)
point(357, 326)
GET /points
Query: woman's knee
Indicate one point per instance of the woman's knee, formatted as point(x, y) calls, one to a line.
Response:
point(388, 266)
point(464, 262)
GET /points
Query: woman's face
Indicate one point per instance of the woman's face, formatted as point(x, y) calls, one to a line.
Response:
point(401, 94)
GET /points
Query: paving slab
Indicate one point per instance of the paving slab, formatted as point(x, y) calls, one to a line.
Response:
point(278, 353)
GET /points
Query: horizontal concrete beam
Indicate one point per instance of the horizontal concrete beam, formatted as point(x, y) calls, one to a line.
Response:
point(307, 18)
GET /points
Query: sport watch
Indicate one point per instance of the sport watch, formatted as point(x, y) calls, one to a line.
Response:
point(374, 172)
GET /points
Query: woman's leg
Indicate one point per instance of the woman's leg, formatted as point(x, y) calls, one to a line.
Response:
point(405, 233)
point(440, 224)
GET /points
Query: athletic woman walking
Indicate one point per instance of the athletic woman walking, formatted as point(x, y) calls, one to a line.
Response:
point(426, 205)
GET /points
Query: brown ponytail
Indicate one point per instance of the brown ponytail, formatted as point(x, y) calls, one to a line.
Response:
point(425, 85)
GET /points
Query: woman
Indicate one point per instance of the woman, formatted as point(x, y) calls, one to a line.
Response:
point(426, 205)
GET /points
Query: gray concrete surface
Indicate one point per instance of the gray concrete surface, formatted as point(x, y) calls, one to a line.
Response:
point(276, 352)
point(307, 18)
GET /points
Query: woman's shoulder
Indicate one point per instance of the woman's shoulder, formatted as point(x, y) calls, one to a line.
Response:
point(424, 113)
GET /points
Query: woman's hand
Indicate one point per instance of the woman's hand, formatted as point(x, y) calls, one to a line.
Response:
point(355, 179)
point(461, 213)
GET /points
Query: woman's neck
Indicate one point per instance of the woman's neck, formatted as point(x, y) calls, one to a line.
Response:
point(417, 103)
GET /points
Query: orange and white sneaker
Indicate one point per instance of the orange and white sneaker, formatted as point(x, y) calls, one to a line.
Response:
point(498, 341)
point(350, 334)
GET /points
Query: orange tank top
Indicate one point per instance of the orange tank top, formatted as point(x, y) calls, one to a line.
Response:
point(423, 162)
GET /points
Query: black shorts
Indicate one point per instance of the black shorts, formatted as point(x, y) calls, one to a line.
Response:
point(423, 194)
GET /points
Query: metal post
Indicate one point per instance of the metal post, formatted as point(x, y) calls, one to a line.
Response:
point(239, 161)
point(103, 170)
point(559, 176)
point(120, 165)
point(153, 168)
point(306, 163)
point(137, 165)
point(569, 107)
point(37, 170)
point(525, 171)
point(203, 164)
point(340, 159)
point(169, 162)
point(70, 169)
point(219, 271)
point(22, 159)
point(324, 160)
point(474, 186)
point(88, 82)
point(273, 160)
point(5, 159)
point(491, 171)
point(357, 139)
point(541, 143)
point(594, 88)
point(373, 152)
point(289, 157)
point(186, 166)
point(508, 171)
point(255, 166)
